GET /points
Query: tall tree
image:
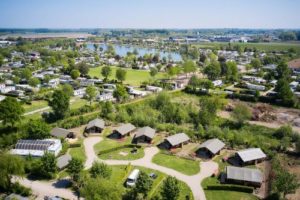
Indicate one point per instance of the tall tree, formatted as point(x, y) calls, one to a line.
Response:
point(284, 92)
point(189, 66)
point(48, 165)
point(83, 68)
point(26, 73)
point(153, 72)
point(143, 184)
point(75, 166)
point(60, 103)
point(213, 70)
point(75, 74)
point(121, 74)
point(100, 169)
point(283, 71)
point(37, 129)
point(170, 189)
point(34, 82)
point(285, 183)
point(120, 93)
point(11, 111)
point(255, 63)
point(91, 93)
point(10, 165)
point(231, 71)
point(106, 72)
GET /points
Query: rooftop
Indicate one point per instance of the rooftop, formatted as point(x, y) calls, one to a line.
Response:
point(251, 154)
point(145, 131)
point(125, 128)
point(96, 122)
point(177, 139)
point(59, 132)
point(213, 145)
point(244, 174)
point(294, 64)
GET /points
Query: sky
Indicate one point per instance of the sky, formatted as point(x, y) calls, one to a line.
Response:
point(150, 14)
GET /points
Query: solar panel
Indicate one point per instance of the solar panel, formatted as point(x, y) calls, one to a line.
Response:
point(34, 144)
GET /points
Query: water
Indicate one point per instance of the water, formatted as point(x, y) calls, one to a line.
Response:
point(122, 50)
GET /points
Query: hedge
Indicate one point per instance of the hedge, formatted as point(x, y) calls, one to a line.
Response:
point(118, 148)
point(236, 188)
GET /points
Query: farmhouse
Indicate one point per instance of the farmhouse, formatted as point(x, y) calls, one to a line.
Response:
point(210, 147)
point(145, 135)
point(123, 130)
point(176, 140)
point(244, 176)
point(61, 133)
point(63, 161)
point(95, 126)
point(37, 148)
point(250, 156)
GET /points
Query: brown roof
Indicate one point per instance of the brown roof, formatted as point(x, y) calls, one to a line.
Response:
point(294, 63)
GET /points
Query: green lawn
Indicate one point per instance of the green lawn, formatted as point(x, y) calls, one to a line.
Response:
point(78, 152)
point(185, 166)
point(120, 173)
point(120, 154)
point(222, 194)
point(78, 103)
point(133, 77)
point(35, 105)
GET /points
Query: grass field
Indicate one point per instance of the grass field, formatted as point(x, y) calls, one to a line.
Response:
point(133, 77)
point(222, 194)
point(120, 173)
point(120, 154)
point(185, 166)
point(78, 152)
point(279, 46)
point(35, 105)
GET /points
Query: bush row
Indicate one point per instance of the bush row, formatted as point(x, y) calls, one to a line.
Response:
point(237, 188)
point(118, 148)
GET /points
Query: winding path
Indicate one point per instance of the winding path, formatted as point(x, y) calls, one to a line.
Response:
point(207, 168)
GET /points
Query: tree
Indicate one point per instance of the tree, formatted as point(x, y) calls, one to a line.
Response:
point(60, 103)
point(10, 165)
point(284, 92)
point(106, 109)
point(106, 72)
point(48, 165)
point(75, 74)
point(231, 71)
point(100, 169)
point(34, 82)
point(121, 74)
point(11, 111)
point(189, 66)
point(173, 71)
point(96, 46)
point(100, 189)
point(241, 113)
point(26, 74)
point(213, 70)
point(153, 72)
point(283, 71)
point(75, 166)
point(286, 36)
point(208, 111)
point(68, 89)
point(170, 189)
point(37, 129)
point(83, 68)
point(91, 93)
point(143, 184)
point(285, 182)
point(283, 131)
point(120, 93)
point(255, 63)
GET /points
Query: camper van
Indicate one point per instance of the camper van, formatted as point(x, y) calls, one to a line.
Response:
point(131, 180)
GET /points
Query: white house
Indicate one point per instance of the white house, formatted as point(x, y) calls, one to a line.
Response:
point(7, 89)
point(80, 92)
point(105, 97)
point(153, 88)
point(53, 83)
point(217, 83)
point(255, 87)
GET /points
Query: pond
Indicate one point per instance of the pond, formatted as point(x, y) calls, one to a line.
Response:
point(122, 50)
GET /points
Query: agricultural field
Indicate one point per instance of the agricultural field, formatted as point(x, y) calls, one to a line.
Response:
point(133, 77)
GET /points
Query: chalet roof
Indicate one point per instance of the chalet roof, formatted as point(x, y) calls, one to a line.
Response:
point(145, 131)
point(244, 174)
point(59, 132)
point(63, 161)
point(99, 123)
point(251, 154)
point(213, 145)
point(177, 139)
point(125, 128)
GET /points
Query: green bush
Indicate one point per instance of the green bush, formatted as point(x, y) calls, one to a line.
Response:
point(20, 189)
point(230, 188)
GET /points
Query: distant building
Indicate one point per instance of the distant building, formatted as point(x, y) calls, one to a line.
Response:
point(61, 133)
point(243, 176)
point(37, 148)
point(294, 65)
point(79, 92)
point(250, 156)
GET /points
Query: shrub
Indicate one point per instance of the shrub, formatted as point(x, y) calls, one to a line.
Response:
point(230, 188)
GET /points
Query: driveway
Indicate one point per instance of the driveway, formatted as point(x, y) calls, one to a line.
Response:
point(207, 168)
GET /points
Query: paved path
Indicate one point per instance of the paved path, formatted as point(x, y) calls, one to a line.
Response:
point(49, 188)
point(207, 168)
